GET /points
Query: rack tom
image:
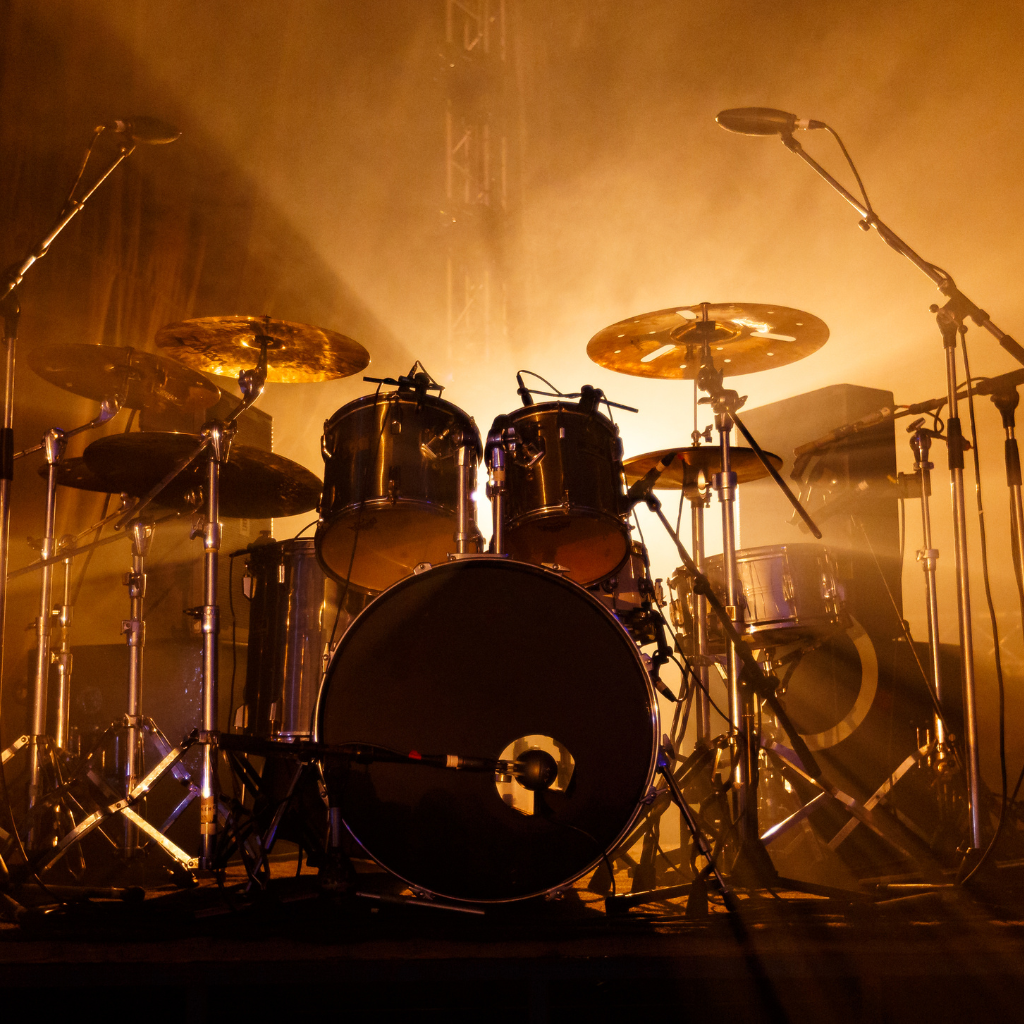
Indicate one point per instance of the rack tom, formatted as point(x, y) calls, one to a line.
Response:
point(390, 498)
point(565, 501)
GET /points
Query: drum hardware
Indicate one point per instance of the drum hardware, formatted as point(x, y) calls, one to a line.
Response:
point(11, 313)
point(752, 863)
point(41, 747)
point(210, 345)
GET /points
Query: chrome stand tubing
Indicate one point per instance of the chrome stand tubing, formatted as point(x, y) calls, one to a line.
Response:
point(742, 710)
point(496, 491)
point(218, 439)
point(53, 446)
point(928, 556)
point(135, 628)
point(948, 327)
point(63, 613)
point(725, 484)
point(698, 499)
point(11, 312)
point(466, 535)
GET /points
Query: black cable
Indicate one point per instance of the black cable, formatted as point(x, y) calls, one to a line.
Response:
point(853, 167)
point(991, 614)
point(561, 394)
point(312, 522)
point(597, 845)
point(696, 679)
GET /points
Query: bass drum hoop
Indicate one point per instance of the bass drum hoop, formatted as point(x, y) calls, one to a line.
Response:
point(652, 701)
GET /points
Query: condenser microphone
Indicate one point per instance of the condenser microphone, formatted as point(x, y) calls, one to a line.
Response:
point(763, 121)
point(147, 130)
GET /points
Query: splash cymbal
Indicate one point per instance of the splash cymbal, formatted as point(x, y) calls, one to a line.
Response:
point(296, 353)
point(140, 380)
point(742, 338)
point(690, 461)
point(255, 484)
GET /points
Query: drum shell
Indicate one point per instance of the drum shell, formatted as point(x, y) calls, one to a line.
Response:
point(379, 485)
point(568, 508)
point(293, 611)
point(789, 591)
point(483, 659)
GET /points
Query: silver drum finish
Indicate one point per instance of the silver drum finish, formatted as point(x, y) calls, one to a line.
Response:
point(789, 591)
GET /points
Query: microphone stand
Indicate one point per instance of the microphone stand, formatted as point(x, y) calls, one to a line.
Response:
point(11, 311)
point(950, 318)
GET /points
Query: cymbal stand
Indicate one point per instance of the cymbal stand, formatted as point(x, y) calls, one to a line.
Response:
point(215, 442)
point(43, 753)
point(62, 657)
point(701, 659)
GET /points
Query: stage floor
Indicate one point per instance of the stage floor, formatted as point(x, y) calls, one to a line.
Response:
point(208, 954)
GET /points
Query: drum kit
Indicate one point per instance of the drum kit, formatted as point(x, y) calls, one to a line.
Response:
point(398, 629)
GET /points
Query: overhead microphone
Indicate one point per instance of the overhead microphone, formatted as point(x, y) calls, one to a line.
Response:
point(764, 121)
point(147, 130)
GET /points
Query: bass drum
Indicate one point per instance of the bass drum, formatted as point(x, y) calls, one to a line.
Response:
point(488, 658)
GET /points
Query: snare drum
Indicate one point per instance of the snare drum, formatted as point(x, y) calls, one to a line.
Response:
point(790, 591)
point(390, 498)
point(471, 658)
point(565, 491)
point(292, 615)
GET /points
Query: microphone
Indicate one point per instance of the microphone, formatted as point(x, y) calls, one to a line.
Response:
point(639, 491)
point(523, 391)
point(147, 130)
point(763, 121)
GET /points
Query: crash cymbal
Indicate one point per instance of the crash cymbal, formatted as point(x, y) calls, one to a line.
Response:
point(139, 379)
point(742, 338)
point(690, 461)
point(75, 473)
point(255, 484)
point(296, 353)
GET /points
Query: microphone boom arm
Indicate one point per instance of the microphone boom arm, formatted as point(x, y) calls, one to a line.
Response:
point(959, 304)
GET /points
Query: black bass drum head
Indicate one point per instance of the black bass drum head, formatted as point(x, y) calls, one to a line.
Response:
point(486, 658)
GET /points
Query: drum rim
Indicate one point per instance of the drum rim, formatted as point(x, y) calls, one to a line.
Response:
point(323, 525)
point(584, 511)
point(410, 397)
point(526, 411)
point(655, 712)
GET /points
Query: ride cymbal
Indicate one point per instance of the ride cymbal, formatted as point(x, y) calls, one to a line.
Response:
point(140, 380)
point(255, 484)
point(296, 353)
point(741, 338)
point(690, 461)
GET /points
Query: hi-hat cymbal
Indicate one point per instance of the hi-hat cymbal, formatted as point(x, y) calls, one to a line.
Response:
point(255, 484)
point(296, 353)
point(690, 461)
point(139, 379)
point(742, 338)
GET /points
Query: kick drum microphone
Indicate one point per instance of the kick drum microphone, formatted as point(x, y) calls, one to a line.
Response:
point(764, 121)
